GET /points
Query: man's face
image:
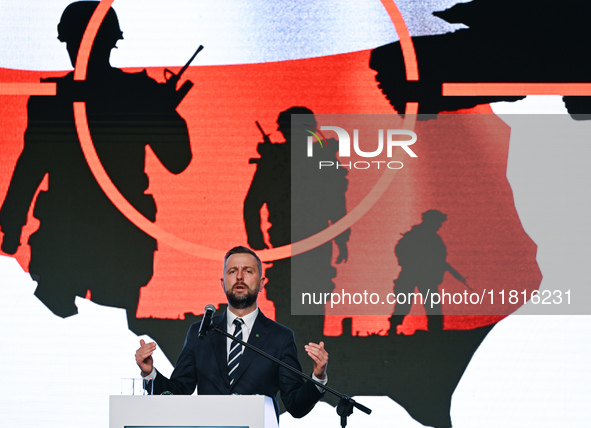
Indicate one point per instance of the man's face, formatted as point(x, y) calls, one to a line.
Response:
point(242, 281)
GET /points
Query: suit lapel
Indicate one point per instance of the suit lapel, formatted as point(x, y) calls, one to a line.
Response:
point(258, 337)
point(220, 348)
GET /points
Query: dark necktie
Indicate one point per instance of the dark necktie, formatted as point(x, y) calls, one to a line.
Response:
point(235, 350)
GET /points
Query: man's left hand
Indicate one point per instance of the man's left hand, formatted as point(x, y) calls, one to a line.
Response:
point(320, 358)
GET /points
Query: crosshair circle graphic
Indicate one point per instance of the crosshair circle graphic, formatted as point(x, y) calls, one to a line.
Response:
point(162, 236)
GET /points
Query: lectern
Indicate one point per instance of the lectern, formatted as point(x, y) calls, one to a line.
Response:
point(191, 411)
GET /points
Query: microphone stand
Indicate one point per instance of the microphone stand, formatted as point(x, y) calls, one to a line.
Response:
point(346, 403)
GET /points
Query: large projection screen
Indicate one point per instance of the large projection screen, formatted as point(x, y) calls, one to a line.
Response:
point(115, 233)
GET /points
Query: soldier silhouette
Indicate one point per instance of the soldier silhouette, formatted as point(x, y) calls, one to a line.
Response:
point(301, 201)
point(422, 257)
point(84, 244)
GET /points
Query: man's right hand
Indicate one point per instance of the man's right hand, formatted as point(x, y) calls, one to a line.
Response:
point(143, 357)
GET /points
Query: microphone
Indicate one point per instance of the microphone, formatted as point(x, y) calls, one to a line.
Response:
point(206, 321)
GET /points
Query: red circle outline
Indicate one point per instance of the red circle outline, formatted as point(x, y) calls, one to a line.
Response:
point(180, 244)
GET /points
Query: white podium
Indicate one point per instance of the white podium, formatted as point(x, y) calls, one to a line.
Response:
point(191, 411)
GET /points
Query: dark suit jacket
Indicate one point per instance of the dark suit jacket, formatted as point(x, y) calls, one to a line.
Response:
point(203, 363)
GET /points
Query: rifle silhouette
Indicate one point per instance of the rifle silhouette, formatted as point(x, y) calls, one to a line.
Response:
point(458, 276)
point(266, 138)
point(172, 80)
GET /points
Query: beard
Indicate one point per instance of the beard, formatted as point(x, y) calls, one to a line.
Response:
point(244, 300)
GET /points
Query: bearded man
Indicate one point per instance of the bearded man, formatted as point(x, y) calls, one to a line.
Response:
point(217, 365)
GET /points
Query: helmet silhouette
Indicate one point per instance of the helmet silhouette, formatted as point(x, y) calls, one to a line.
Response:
point(75, 19)
point(433, 216)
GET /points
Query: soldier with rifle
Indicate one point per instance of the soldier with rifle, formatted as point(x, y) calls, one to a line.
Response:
point(301, 201)
point(422, 256)
point(84, 246)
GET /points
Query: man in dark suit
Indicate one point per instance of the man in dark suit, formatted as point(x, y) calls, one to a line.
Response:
point(218, 366)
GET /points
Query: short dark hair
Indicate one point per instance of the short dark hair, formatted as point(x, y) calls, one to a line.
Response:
point(244, 250)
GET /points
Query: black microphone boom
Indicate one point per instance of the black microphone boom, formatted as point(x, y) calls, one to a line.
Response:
point(206, 322)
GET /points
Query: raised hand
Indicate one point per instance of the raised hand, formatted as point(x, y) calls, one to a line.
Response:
point(143, 357)
point(320, 358)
